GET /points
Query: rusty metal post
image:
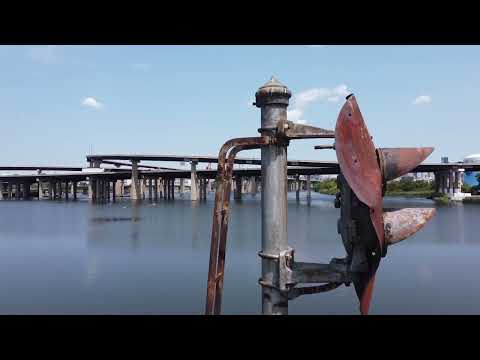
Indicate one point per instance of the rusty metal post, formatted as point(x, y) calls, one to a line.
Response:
point(273, 99)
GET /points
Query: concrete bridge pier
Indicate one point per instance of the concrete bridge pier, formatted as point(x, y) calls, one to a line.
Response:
point(150, 189)
point(309, 190)
point(173, 189)
point(194, 191)
point(98, 190)
point(298, 185)
point(26, 190)
point(9, 191)
point(91, 189)
point(66, 189)
point(40, 192)
point(437, 182)
point(182, 186)
point(155, 189)
point(114, 190)
point(74, 190)
point(50, 190)
point(135, 187)
point(237, 194)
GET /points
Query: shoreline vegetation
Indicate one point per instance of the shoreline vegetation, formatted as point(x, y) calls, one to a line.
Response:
point(402, 188)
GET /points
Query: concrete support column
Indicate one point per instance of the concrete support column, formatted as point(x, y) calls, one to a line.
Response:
point(298, 184)
point(309, 190)
point(437, 182)
point(155, 189)
point(173, 189)
point(118, 188)
point(66, 190)
point(98, 190)
point(135, 187)
point(237, 195)
point(114, 190)
point(150, 189)
point(74, 190)
point(194, 195)
point(9, 191)
point(182, 186)
point(160, 188)
point(164, 182)
point(91, 189)
point(50, 190)
point(26, 190)
point(253, 185)
point(450, 182)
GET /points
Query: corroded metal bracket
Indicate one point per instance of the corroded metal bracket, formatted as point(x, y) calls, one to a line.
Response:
point(292, 275)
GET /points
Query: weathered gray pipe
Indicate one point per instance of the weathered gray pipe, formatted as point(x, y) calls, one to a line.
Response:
point(272, 99)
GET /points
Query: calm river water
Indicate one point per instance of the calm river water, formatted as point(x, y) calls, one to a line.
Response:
point(60, 257)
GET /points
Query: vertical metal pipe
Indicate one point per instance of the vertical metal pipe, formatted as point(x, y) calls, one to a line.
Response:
point(272, 99)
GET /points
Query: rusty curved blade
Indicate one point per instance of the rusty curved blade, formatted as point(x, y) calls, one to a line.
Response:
point(403, 223)
point(357, 158)
point(396, 162)
point(364, 284)
point(366, 297)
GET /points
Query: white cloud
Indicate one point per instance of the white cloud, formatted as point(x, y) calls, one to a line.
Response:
point(422, 99)
point(45, 54)
point(92, 103)
point(303, 99)
point(141, 66)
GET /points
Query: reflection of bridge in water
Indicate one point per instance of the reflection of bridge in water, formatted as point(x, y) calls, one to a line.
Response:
point(141, 181)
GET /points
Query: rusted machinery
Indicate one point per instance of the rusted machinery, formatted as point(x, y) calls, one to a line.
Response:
point(365, 228)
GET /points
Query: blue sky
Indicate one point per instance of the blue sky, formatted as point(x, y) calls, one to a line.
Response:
point(59, 103)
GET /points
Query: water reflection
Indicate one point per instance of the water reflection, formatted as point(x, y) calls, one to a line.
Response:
point(152, 257)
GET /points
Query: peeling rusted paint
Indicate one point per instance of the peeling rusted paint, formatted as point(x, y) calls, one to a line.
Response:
point(403, 223)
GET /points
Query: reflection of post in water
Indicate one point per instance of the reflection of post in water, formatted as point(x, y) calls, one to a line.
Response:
point(461, 223)
point(134, 236)
point(195, 205)
point(91, 273)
